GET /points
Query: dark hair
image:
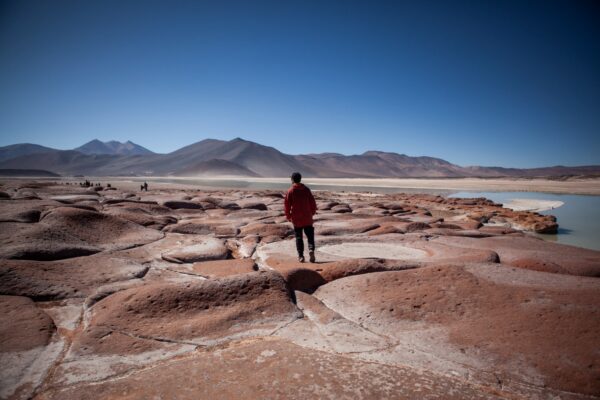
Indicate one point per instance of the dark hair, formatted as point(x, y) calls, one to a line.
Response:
point(296, 177)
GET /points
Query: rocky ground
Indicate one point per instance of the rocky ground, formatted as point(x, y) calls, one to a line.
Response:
point(193, 294)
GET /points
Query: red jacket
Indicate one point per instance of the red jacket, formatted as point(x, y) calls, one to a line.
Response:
point(300, 205)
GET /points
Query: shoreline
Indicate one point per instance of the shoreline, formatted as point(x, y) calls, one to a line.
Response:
point(533, 205)
point(576, 186)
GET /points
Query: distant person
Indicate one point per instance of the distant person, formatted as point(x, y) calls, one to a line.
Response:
point(146, 186)
point(300, 206)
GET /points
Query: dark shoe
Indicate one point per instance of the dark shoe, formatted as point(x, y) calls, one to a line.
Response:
point(311, 255)
point(301, 259)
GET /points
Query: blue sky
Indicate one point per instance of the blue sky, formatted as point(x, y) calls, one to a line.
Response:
point(476, 83)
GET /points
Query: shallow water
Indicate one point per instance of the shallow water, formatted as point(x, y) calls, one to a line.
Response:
point(578, 219)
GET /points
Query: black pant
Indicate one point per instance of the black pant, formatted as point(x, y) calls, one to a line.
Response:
point(310, 235)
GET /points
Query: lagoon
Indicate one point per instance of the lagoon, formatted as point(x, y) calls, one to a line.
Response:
point(578, 218)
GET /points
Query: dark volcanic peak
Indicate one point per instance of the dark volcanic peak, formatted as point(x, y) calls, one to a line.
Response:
point(258, 159)
point(112, 147)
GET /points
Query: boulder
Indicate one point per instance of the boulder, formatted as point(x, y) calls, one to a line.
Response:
point(142, 217)
point(243, 248)
point(279, 369)
point(26, 194)
point(224, 268)
point(75, 198)
point(199, 226)
point(263, 230)
point(532, 253)
point(23, 326)
point(26, 348)
point(525, 326)
point(153, 252)
point(182, 204)
point(307, 277)
point(203, 249)
point(229, 205)
point(404, 250)
point(74, 277)
point(345, 227)
point(199, 311)
point(457, 232)
point(24, 241)
point(254, 205)
point(98, 229)
point(341, 208)
point(385, 229)
point(327, 205)
point(414, 226)
point(24, 210)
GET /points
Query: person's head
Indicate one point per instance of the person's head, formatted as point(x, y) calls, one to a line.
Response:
point(296, 177)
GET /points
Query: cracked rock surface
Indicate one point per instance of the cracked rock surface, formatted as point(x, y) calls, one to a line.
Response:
point(185, 293)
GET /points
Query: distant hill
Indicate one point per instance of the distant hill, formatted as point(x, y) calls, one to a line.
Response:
point(258, 159)
point(215, 168)
point(63, 162)
point(22, 149)
point(262, 160)
point(381, 164)
point(27, 173)
point(239, 157)
point(113, 147)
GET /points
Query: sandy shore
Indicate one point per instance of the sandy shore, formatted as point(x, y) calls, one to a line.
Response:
point(583, 186)
point(532, 205)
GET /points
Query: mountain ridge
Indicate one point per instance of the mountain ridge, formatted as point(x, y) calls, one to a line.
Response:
point(240, 157)
point(114, 147)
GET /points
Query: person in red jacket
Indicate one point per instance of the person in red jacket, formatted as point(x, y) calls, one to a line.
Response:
point(300, 206)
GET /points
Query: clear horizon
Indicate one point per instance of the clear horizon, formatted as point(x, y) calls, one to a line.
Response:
point(506, 84)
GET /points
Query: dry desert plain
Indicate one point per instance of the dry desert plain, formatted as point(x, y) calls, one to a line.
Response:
point(189, 293)
point(572, 185)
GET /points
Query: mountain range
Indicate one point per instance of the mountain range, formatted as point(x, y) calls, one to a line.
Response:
point(239, 157)
point(112, 147)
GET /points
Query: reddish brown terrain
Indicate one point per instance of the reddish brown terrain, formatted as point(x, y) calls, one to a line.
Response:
point(182, 293)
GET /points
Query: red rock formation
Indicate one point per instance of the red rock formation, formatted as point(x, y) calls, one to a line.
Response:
point(412, 296)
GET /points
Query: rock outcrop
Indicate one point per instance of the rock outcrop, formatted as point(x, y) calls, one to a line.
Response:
point(187, 293)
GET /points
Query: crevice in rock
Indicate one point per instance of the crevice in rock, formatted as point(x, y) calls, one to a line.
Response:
point(159, 339)
point(286, 324)
point(486, 378)
point(197, 276)
point(67, 344)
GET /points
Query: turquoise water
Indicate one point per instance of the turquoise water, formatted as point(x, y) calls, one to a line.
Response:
point(578, 219)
